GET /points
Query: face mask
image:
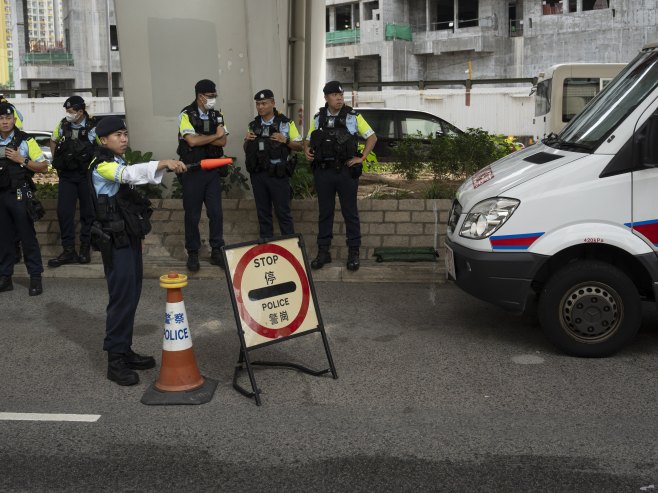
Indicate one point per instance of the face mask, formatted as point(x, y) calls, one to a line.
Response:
point(210, 103)
point(70, 117)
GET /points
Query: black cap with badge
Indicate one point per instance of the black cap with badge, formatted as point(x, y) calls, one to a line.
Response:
point(204, 86)
point(332, 87)
point(6, 109)
point(264, 94)
point(75, 102)
point(109, 125)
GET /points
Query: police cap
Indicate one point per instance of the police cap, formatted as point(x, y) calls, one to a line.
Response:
point(75, 102)
point(205, 85)
point(109, 125)
point(6, 109)
point(264, 94)
point(332, 87)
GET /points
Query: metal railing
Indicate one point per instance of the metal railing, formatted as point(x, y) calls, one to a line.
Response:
point(515, 28)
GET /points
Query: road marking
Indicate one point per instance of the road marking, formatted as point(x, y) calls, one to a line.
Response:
point(85, 418)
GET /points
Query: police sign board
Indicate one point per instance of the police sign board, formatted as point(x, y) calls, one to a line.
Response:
point(271, 290)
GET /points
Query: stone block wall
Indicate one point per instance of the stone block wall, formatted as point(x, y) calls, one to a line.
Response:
point(394, 223)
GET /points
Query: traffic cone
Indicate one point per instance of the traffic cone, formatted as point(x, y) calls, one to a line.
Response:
point(180, 381)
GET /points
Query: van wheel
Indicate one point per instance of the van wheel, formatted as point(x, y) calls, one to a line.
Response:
point(590, 309)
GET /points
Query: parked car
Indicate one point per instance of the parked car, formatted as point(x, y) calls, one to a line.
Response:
point(392, 125)
point(43, 139)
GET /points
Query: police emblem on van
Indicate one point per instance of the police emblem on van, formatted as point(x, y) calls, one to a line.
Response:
point(482, 177)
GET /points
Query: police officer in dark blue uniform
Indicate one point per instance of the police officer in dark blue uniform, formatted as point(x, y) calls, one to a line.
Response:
point(201, 135)
point(72, 145)
point(122, 221)
point(270, 138)
point(331, 145)
point(20, 158)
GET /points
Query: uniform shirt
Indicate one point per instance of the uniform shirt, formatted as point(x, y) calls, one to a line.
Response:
point(28, 148)
point(186, 128)
point(355, 125)
point(57, 133)
point(109, 175)
point(288, 129)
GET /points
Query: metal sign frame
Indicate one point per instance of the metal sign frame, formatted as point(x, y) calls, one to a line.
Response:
point(244, 360)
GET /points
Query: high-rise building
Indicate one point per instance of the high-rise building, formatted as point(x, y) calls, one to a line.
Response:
point(44, 24)
point(6, 46)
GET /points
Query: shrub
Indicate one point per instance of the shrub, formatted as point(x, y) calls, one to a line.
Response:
point(440, 190)
point(47, 190)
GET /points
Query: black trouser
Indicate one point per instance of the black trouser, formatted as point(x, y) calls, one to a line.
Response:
point(199, 188)
point(272, 191)
point(74, 186)
point(16, 224)
point(328, 183)
point(124, 285)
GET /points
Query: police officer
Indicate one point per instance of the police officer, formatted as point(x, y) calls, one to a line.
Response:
point(201, 135)
point(20, 158)
point(270, 138)
point(122, 216)
point(72, 145)
point(18, 117)
point(331, 145)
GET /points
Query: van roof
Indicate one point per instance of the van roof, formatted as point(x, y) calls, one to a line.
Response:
point(650, 46)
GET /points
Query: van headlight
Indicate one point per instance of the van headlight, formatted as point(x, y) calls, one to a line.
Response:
point(487, 216)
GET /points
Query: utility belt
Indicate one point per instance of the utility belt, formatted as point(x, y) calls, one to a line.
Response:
point(284, 169)
point(355, 171)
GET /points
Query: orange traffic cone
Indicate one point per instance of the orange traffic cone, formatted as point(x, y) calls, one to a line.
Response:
point(180, 381)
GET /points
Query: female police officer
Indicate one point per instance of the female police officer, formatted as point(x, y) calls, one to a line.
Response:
point(20, 158)
point(123, 216)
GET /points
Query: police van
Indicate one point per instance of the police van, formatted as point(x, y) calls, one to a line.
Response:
point(573, 219)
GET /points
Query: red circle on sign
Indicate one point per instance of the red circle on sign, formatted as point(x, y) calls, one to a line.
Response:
point(237, 289)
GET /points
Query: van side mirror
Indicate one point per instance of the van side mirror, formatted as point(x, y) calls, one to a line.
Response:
point(646, 144)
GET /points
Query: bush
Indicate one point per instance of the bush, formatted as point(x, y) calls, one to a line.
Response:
point(451, 157)
point(441, 190)
point(47, 190)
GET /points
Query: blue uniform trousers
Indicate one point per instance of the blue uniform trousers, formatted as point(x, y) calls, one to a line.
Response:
point(74, 187)
point(124, 284)
point(202, 187)
point(16, 224)
point(272, 191)
point(328, 183)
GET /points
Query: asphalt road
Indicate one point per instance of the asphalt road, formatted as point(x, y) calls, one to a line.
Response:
point(436, 392)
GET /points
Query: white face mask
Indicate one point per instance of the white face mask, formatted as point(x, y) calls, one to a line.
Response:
point(71, 117)
point(210, 103)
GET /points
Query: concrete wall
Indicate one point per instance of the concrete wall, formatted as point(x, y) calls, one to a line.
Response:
point(45, 113)
point(405, 223)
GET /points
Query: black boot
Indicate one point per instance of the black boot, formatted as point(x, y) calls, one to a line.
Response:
point(323, 257)
point(193, 261)
point(216, 257)
point(6, 284)
point(353, 259)
point(68, 256)
point(118, 370)
point(138, 362)
point(35, 286)
point(85, 254)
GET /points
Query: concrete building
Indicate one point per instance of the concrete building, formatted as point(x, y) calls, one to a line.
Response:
point(6, 44)
point(71, 56)
point(410, 40)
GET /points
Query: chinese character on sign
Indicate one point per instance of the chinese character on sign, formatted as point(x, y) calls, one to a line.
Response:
point(167, 318)
point(269, 277)
point(179, 318)
point(274, 319)
point(284, 316)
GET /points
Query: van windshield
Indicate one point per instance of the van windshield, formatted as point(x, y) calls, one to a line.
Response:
point(611, 106)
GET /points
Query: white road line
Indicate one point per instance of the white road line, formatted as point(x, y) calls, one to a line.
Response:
point(85, 418)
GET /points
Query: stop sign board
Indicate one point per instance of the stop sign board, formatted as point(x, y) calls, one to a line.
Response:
point(271, 290)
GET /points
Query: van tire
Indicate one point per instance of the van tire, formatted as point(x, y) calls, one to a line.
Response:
point(594, 290)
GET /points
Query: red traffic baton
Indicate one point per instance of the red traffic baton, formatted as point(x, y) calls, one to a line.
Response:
point(211, 163)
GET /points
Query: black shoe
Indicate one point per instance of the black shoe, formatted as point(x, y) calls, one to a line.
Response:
point(68, 256)
point(85, 254)
point(353, 259)
point(193, 261)
point(35, 286)
point(136, 361)
point(323, 257)
point(6, 284)
point(216, 258)
point(118, 370)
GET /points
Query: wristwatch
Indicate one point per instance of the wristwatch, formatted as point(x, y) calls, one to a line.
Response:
point(24, 163)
